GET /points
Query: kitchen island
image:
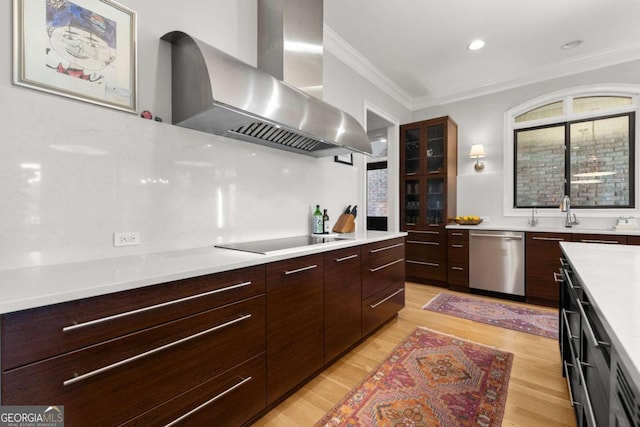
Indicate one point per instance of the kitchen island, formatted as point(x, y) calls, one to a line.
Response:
point(191, 337)
point(600, 336)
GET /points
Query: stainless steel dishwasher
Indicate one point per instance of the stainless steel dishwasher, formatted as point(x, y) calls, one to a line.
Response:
point(496, 261)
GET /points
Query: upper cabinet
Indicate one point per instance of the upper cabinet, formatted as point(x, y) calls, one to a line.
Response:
point(428, 169)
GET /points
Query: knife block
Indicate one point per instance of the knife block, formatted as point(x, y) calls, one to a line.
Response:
point(345, 224)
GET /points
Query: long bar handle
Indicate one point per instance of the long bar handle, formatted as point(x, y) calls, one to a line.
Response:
point(346, 258)
point(152, 307)
point(592, 334)
point(550, 239)
point(615, 242)
point(457, 246)
point(430, 264)
point(389, 264)
point(566, 375)
point(373, 251)
point(498, 236)
point(400, 290)
point(208, 402)
point(592, 417)
point(565, 319)
point(419, 242)
point(423, 232)
point(299, 270)
point(123, 362)
point(457, 268)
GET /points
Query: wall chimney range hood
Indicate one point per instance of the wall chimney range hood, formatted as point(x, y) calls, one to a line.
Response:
point(216, 93)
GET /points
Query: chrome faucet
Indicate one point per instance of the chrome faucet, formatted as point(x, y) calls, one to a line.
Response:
point(566, 207)
point(533, 221)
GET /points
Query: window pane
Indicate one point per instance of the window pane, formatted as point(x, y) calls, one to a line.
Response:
point(539, 167)
point(377, 185)
point(594, 103)
point(600, 167)
point(550, 110)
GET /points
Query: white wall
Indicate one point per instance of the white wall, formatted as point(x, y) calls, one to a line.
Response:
point(59, 206)
point(481, 120)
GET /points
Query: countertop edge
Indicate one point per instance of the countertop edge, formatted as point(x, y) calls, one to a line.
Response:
point(30, 287)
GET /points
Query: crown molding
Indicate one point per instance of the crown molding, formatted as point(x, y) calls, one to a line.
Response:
point(354, 59)
point(600, 59)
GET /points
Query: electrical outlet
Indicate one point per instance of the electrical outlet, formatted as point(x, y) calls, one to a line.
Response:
point(130, 238)
point(486, 219)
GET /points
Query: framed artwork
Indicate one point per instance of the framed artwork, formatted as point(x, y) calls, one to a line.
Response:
point(347, 159)
point(81, 49)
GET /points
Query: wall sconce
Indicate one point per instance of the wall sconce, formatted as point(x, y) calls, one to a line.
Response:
point(477, 152)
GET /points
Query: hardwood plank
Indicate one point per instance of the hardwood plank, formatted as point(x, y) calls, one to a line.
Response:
point(537, 393)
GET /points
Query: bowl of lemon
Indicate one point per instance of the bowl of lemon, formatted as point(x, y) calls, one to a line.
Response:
point(468, 220)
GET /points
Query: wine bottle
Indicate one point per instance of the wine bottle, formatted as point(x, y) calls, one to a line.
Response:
point(325, 222)
point(354, 211)
point(317, 221)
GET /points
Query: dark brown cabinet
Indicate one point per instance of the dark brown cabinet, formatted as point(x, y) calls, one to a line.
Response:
point(428, 171)
point(458, 260)
point(600, 238)
point(383, 275)
point(112, 359)
point(295, 325)
point(633, 240)
point(342, 302)
point(542, 257)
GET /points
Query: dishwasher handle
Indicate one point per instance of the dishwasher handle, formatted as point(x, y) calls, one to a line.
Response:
point(498, 236)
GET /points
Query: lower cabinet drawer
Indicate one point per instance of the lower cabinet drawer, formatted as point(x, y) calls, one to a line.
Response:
point(428, 270)
point(230, 399)
point(112, 382)
point(381, 307)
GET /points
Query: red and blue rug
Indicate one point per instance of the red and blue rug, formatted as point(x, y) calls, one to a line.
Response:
point(524, 319)
point(429, 380)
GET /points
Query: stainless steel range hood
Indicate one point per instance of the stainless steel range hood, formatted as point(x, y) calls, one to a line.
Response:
point(217, 93)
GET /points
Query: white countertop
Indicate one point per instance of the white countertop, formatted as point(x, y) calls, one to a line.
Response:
point(611, 278)
point(544, 229)
point(30, 287)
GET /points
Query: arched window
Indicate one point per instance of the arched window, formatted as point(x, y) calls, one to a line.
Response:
point(579, 144)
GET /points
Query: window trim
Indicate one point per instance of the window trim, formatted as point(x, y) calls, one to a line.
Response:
point(510, 126)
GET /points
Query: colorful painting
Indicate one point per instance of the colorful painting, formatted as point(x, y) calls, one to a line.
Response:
point(82, 49)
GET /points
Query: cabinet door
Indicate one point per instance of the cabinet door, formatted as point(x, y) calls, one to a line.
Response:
point(633, 240)
point(412, 148)
point(458, 260)
point(435, 148)
point(436, 201)
point(294, 323)
point(542, 259)
point(413, 201)
point(342, 287)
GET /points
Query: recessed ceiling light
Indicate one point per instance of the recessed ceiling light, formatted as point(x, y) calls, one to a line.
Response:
point(476, 44)
point(572, 44)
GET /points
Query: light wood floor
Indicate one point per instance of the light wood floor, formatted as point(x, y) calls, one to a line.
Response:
point(537, 393)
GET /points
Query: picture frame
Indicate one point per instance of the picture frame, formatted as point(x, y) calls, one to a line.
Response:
point(81, 49)
point(347, 159)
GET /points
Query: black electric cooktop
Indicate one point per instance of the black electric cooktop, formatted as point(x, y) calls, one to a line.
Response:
point(266, 246)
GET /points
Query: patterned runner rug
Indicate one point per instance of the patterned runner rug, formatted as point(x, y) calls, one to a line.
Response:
point(510, 316)
point(430, 379)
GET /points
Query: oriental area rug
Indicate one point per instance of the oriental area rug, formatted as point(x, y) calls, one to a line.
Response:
point(429, 380)
point(510, 316)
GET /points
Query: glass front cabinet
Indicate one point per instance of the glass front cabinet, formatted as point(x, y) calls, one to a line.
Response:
point(428, 170)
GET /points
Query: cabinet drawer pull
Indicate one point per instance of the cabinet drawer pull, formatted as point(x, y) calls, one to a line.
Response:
point(430, 264)
point(568, 378)
point(299, 270)
point(550, 239)
point(373, 251)
point(457, 246)
point(587, 398)
point(456, 234)
point(419, 242)
point(78, 378)
point(423, 232)
point(152, 307)
point(565, 320)
point(389, 264)
point(599, 241)
point(346, 258)
point(457, 268)
point(208, 402)
point(569, 282)
point(592, 334)
point(557, 277)
point(372, 306)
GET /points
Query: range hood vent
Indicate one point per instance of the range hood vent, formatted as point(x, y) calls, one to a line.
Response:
point(216, 93)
